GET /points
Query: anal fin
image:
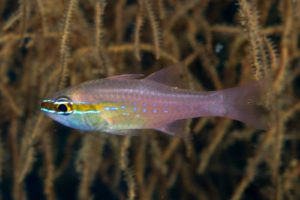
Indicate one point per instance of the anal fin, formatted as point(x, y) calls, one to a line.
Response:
point(124, 132)
point(178, 128)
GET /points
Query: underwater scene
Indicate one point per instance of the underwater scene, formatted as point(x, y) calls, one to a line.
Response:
point(149, 99)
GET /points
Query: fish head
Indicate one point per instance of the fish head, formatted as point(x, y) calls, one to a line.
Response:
point(68, 109)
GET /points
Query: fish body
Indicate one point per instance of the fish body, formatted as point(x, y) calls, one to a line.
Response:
point(121, 104)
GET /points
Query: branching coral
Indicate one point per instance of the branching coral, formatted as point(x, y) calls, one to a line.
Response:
point(50, 44)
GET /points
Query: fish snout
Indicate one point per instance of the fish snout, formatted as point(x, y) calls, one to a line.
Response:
point(47, 106)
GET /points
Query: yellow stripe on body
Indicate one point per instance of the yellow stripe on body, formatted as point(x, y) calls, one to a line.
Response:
point(118, 115)
point(80, 107)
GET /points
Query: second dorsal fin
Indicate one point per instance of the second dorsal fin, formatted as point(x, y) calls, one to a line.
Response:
point(172, 76)
point(126, 76)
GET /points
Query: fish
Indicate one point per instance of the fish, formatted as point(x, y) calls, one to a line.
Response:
point(125, 104)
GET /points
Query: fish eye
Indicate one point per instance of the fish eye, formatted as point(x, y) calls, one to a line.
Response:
point(63, 105)
point(62, 108)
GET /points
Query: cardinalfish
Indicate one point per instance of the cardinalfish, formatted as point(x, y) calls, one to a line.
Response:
point(124, 103)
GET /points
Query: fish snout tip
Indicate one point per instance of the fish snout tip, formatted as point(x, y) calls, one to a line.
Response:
point(45, 105)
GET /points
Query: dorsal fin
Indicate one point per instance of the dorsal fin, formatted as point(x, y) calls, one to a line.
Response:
point(127, 76)
point(172, 76)
point(176, 128)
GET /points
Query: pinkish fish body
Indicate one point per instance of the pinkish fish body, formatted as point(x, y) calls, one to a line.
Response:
point(124, 103)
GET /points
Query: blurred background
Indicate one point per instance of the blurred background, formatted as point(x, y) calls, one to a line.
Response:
point(46, 45)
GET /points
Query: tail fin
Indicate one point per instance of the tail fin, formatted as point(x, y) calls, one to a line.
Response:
point(245, 104)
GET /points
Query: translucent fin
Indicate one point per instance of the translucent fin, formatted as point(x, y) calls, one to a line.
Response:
point(245, 104)
point(177, 128)
point(127, 76)
point(128, 132)
point(172, 76)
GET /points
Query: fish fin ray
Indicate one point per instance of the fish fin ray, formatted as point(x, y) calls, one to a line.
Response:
point(172, 76)
point(126, 76)
point(178, 128)
point(245, 104)
point(125, 132)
